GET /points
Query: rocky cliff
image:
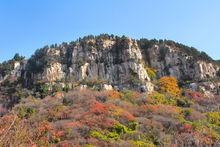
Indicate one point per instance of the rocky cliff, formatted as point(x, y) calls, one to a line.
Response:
point(55, 98)
point(171, 60)
point(117, 62)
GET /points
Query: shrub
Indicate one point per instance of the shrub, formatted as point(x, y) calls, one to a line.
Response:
point(122, 129)
point(123, 114)
point(26, 112)
point(101, 135)
point(66, 88)
point(21, 112)
point(43, 130)
point(114, 94)
point(67, 101)
point(183, 102)
point(158, 98)
point(43, 89)
point(130, 96)
point(56, 88)
point(142, 144)
point(93, 83)
point(132, 126)
point(186, 128)
point(169, 85)
point(187, 112)
point(115, 132)
point(99, 108)
point(197, 96)
point(193, 115)
point(207, 130)
point(20, 94)
point(89, 145)
point(134, 80)
point(214, 118)
point(55, 112)
point(151, 72)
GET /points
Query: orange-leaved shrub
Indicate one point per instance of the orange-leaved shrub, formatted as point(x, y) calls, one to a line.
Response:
point(169, 85)
point(114, 94)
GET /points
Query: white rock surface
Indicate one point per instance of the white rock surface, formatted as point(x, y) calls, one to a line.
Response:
point(107, 87)
point(54, 72)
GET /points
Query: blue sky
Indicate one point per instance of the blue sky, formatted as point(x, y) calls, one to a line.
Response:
point(26, 25)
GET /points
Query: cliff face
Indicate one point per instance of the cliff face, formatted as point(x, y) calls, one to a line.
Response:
point(117, 62)
point(170, 60)
point(108, 61)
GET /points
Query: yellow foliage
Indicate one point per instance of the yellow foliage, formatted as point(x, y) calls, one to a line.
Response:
point(214, 118)
point(159, 98)
point(114, 94)
point(151, 72)
point(169, 85)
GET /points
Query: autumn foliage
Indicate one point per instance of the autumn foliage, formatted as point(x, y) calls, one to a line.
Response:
point(169, 85)
point(111, 118)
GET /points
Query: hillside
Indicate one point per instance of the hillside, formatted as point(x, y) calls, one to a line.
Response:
point(111, 91)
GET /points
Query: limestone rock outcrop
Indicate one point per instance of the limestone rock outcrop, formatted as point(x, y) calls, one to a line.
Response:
point(54, 72)
point(118, 62)
point(174, 62)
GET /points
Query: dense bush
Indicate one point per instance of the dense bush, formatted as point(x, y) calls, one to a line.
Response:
point(101, 118)
point(67, 101)
point(158, 98)
point(169, 85)
point(43, 89)
point(214, 118)
point(26, 112)
point(115, 132)
point(130, 96)
point(183, 102)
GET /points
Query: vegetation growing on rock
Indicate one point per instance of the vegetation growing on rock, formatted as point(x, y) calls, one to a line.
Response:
point(56, 98)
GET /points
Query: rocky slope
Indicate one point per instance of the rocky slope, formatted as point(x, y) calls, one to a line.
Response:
point(111, 91)
point(115, 62)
